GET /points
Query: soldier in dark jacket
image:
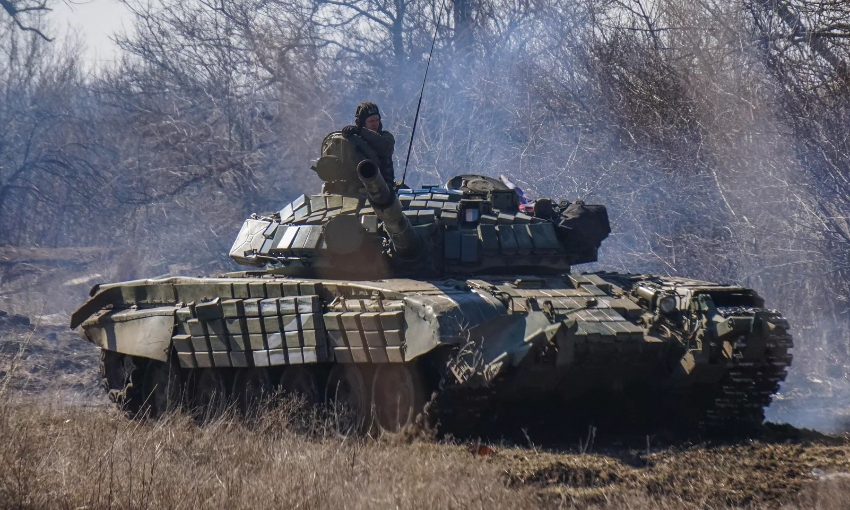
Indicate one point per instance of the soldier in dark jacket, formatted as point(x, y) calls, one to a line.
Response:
point(368, 129)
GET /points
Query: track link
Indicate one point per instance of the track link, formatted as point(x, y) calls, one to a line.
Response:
point(749, 385)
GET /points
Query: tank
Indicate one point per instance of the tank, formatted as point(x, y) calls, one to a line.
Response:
point(456, 299)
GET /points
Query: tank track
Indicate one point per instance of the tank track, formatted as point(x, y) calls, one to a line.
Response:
point(748, 387)
point(733, 407)
point(458, 410)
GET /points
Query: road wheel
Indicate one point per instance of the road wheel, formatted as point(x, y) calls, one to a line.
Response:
point(397, 396)
point(251, 388)
point(162, 388)
point(300, 382)
point(348, 399)
point(208, 394)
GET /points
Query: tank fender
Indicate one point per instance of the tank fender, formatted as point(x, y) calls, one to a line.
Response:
point(97, 302)
point(505, 341)
point(143, 332)
point(436, 319)
point(429, 322)
point(565, 339)
point(536, 332)
point(510, 341)
point(160, 292)
point(133, 292)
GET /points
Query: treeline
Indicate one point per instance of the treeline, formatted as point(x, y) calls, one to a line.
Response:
point(714, 130)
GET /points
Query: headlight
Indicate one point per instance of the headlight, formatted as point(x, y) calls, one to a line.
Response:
point(667, 304)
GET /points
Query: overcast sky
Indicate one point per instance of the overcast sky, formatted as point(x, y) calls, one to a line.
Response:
point(95, 21)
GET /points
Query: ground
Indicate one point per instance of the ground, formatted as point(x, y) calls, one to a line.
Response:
point(64, 446)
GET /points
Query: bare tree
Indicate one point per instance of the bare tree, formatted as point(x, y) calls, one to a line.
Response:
point(46, 145)
point(25, 13)
point(807, 48)
point(207, 85)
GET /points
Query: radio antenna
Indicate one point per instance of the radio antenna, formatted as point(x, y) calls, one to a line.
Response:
point(421, 92)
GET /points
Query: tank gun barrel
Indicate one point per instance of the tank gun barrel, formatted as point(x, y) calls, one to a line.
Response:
point(405, 239)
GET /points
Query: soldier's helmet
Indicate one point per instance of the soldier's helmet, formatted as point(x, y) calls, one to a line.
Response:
point(365, 110)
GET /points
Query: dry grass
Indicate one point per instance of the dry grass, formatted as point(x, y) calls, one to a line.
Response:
point(56, 454)
point(83, 458)
point(752, 475)
point(75, 457)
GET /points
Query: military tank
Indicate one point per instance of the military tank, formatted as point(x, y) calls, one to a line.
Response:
point(458, 295)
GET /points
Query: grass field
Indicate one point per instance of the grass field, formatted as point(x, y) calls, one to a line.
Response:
point(55, 456)
point(62, 448)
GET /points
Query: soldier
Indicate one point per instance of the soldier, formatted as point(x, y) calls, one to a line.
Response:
point(368, 129)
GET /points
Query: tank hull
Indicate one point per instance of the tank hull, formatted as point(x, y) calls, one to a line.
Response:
point(714, 356)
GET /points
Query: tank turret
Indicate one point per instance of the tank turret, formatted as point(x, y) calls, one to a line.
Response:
point(471, 225)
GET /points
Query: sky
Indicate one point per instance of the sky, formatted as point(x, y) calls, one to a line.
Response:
point(95, 21)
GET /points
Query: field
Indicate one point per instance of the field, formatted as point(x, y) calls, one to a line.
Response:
point(57, 456)
point(64, 447)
